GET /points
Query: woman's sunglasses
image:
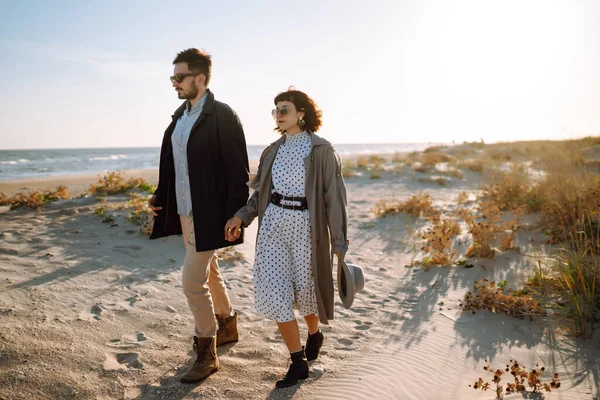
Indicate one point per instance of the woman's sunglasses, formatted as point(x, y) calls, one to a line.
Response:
point(280, 111)
point(180, 77)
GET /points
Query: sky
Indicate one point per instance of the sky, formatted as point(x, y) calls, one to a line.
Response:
point(95, 73)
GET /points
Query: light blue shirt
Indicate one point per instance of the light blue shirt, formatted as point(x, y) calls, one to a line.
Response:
point(179, 140)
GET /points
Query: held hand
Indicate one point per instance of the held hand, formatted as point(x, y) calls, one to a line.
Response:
point(151, 203)
point(233, 229)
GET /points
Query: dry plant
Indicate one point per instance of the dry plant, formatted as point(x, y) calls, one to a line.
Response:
point(464, 152)
point(438, 241)
point(433, 158)
point(139, 213)
point(439, 180)
point(577, 276)
point(497, 155)
point(564, 214)
point(508, 229)
point(417, 205)
point(487, 295)
point(434, 149)
point(463, 197)
point(454, 173)
point(483, 232)
point(570, 192)
point(398, 158)
point(376, 174)
point(522, 378)
point(472, 165)
point(475, 145)
point(34, 199)
point(348, 170)
point(511, 190)
point(412, 157)
point(422, 168)
point(370, 163)
point(115, 183)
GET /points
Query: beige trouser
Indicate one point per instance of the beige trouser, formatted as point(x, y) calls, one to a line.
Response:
point(202, 283)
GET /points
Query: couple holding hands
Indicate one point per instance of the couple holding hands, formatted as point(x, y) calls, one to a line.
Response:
point(299, 198)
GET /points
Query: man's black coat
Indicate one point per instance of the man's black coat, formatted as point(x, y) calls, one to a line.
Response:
point(218, 171)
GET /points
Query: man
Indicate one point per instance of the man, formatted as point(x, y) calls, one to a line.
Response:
point(202, 183)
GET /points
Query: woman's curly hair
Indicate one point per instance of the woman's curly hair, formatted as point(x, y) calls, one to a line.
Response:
point(312, 114)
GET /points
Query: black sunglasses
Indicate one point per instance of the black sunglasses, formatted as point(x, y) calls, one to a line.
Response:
point(281, 111)
point(179, 77)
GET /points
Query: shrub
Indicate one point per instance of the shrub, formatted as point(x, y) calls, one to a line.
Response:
point(472, 165)
point(434, 158)
point(482, 232)
point(509, 190)
point(115, 183)
point(521, 379)
point(487, 296)
point(139, 213)
point(577, 271)
point(34, 199)
point(348, 170)
point(438, 180)
point(417, 205)
point(438, 240)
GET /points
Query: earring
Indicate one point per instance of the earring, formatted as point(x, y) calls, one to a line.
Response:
point(301, 122)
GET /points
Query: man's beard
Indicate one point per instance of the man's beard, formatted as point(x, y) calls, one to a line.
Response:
point(193, 92)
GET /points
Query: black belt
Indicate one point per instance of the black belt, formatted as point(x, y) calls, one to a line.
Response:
point(276, 199)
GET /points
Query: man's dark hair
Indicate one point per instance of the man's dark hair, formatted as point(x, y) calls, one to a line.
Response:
point(197, 60)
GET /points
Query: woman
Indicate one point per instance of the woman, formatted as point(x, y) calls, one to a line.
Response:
point(300, 201)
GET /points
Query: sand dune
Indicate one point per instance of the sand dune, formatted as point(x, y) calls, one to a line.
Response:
point(96, 310)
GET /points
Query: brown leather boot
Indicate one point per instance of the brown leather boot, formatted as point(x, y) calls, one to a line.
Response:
point(227, 332)
point(207, 362)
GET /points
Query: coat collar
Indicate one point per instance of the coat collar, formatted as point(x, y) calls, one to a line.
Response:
point(208, 108)
point(315, 140)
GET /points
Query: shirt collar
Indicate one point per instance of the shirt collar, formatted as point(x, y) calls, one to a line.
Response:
point(198, 106)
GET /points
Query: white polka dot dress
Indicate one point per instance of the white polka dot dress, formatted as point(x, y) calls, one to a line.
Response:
point(282, 268)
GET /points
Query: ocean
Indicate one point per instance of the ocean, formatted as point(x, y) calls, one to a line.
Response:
point(20, 164)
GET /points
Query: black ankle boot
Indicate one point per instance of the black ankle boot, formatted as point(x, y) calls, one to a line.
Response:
point(313, 345)
point(298, 370)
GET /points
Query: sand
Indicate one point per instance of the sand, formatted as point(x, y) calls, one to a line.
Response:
point(93, 310)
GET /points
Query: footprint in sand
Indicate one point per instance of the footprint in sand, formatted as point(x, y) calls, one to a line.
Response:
point(122, 361)
point(128, 341)
point(128, 250)
point(133, 299)
point(362, 326)
point(96, 313)
point(9, 252)
point(345, 344)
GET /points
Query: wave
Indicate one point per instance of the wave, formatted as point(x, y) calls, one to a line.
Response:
point(14, 162)
point(107, 158)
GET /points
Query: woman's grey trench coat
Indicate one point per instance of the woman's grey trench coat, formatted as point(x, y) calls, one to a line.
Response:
point(326, 197)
